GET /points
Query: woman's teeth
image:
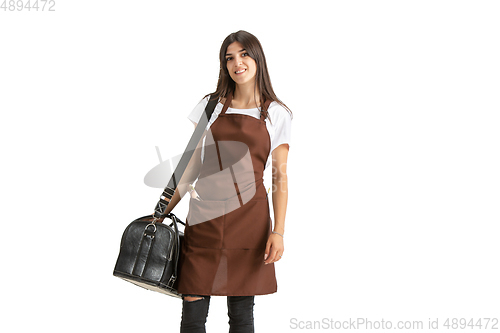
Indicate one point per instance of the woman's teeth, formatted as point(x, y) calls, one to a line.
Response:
point(241, 71)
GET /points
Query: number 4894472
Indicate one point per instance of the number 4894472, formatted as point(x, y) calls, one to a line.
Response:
point(28, 5)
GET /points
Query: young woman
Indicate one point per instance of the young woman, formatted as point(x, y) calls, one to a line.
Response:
point(229, 244)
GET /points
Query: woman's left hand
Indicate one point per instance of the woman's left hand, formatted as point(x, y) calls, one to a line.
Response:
point(274, 249)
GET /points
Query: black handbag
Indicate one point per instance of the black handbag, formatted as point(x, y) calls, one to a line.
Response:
point(149, 251)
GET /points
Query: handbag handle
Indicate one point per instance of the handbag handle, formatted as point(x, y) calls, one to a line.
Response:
point(169, 191)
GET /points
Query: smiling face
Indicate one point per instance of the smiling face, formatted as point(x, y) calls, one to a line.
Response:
point(241, 67)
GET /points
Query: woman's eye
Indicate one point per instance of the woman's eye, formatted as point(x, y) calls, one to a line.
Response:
point(244, 54)
point(228, 58)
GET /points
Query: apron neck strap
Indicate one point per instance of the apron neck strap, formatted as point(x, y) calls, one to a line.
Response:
point(229, 98)
point(263, 113)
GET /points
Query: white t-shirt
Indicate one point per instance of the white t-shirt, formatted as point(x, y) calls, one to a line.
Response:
point(279, 128)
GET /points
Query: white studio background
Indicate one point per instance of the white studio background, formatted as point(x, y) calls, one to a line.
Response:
point(393, 169)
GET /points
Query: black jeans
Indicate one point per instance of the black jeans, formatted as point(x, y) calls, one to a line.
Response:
point(239, 310)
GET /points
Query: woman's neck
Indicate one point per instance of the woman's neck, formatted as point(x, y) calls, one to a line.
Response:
point(246, 97)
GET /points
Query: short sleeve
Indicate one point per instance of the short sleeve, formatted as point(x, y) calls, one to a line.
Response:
point(282, 125)
point(195, 115)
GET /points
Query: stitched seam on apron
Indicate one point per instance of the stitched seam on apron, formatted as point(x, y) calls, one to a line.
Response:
point(228, 248)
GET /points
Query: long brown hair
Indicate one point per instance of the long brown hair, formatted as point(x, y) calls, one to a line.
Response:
point(226, 85)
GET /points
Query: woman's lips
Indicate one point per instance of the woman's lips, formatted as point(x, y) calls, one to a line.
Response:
point(241, 71)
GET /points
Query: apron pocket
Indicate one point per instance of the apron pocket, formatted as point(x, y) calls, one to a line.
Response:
point(248, 227)
point(205, 221)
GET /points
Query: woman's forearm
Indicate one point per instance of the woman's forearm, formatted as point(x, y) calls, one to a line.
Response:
point(280, 201)
point(280, 186)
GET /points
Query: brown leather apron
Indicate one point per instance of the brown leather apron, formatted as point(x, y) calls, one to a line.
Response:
point(228, 228)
